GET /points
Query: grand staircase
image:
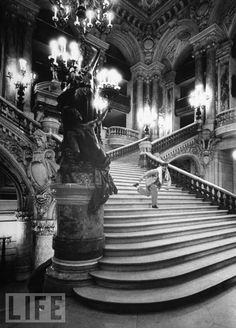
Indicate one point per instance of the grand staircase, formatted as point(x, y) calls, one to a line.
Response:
point(157, 256)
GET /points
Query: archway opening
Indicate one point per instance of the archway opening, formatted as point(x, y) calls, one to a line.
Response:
point(8, 225)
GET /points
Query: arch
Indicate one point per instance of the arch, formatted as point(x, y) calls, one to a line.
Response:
point(17, 174)
point(232, 28)
point(195, 159)
point(186, 26)
point(127, 44)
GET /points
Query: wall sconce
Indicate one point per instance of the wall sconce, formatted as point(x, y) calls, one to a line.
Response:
point(198, 99)
point(22, 80)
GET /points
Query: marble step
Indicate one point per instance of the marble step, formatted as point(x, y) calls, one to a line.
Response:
point(180, 209)
point(132, 190)
point(152, 299)
point(161, 245)
point(133, 195)
point(147, 204)
point(145, 201)
point(166, 258)
point(165, 276)
point(166, 232)
point(154, 215)
point(144, 225)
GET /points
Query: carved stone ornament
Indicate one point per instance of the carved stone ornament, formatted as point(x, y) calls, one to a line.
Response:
point(204, 147)
point(43, 227)
point(19, 149)
point(22, 216)
point(42, 171)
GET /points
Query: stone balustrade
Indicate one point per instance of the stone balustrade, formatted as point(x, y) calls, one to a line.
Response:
point(226, 117)
point(119, 136)
point(164, 143)
point(198, 186)
point(226, 123)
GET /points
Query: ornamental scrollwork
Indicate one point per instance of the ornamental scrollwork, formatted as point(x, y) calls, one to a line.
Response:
point(42, 171)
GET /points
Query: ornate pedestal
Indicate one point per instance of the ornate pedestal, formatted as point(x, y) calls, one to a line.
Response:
point(79, 240)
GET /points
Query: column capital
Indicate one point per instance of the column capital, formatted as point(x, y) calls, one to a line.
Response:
point(207, 38)
point(147, 71)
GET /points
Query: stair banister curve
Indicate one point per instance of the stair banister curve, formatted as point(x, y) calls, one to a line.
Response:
point(174, 138)
point(17, 117)
point(196, 185)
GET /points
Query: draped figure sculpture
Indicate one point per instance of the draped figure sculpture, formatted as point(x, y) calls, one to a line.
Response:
point(81, 151)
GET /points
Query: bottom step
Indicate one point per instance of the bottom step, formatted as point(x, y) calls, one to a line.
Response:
point(119, 300)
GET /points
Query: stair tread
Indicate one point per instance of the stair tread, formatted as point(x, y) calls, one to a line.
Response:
point(156, 214)
point(166, 221)
point(160, 231)
point(167, 241)
point(149, 209)
point(157, 295)
point(167, 255)
point(167, 272)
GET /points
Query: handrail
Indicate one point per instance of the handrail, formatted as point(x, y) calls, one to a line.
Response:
point(17, 117)
point(226, 117)
point(124, 150)
point(174, 138)
point(202, 188)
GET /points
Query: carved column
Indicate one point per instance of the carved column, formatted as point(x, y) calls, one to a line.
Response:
point(169, 101)
point(199, 77)
point(226, 69)
point(139, 101)
point(155, 104)
point(207, 40)
point(211, 86)
point(140, 73)
point(41, 171)
point(24, 246)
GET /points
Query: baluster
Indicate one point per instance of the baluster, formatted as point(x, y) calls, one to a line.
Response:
point(205, 192)
point(233, 205)
point(198, 189)
point(227, 202)
point(222, 200)
point(216, 200)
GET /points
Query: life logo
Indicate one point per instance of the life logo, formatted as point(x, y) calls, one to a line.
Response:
point(28, 307)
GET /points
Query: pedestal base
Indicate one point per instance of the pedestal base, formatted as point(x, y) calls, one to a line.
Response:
point(79, 240)
point(63, 276)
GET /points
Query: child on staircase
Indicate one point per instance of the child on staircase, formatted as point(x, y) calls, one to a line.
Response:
point(154, 179)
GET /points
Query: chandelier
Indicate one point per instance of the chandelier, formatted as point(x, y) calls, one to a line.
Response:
point(86, 14)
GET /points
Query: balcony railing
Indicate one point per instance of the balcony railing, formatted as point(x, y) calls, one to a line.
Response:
point(226, 117)
point(17, 117)
point(198, 186)
point(174, 138)
point(121, 131)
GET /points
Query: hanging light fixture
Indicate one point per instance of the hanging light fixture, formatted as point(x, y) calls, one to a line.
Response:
point(86, 14)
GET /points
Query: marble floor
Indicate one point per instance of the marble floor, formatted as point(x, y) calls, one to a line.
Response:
point(217, 310)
